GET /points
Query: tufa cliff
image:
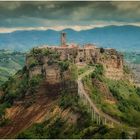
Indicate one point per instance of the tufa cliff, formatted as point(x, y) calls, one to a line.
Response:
point(51, 61)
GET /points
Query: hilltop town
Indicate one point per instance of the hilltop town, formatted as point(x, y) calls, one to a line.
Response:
point(79, 55)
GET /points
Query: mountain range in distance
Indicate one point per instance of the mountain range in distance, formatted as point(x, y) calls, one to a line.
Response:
point(123, 38)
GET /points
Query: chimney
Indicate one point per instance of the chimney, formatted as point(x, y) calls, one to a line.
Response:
point(63, 39)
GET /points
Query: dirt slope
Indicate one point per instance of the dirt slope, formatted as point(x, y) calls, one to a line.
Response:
point(21, 116)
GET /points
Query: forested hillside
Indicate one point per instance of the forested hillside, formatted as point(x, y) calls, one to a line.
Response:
point(10, 63)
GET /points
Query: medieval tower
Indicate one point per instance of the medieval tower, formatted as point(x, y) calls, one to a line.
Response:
point(63, 39)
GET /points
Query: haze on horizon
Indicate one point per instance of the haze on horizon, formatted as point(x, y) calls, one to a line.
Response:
point(58, 15)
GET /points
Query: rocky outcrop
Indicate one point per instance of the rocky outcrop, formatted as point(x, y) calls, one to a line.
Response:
point(113, 64)
point(49, 64)
point(46, 61)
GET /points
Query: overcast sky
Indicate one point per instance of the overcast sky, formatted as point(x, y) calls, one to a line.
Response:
point(59, 15)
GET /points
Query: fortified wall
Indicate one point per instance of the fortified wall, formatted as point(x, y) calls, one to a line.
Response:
point(80, 55)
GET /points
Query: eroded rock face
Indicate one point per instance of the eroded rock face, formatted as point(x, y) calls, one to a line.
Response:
point(52, 74)
point(89, 54)
point(37, 70)
point(113, 64)
point(49, 64)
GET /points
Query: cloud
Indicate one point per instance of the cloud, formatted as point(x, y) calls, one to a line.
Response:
point(62, 27)
point(57, 13)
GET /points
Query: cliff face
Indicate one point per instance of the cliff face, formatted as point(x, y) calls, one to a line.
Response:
point(52, 63)
point(49, 64)
point(113, 64)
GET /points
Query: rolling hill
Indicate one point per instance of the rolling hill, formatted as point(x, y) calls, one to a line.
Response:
point(10, 63)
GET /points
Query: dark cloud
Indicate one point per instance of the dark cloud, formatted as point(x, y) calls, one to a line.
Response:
point(51, 13)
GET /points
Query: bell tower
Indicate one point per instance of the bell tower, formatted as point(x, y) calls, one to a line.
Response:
point(63, 39)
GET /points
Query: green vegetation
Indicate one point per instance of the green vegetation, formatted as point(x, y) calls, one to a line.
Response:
point(98, 72)
point(74, 71)
point(126, 69)
point(37, 54)
point(32, 62)
point(59, 127)
point(77, 123)
point(64, 65)
point(15, 89)
point(83, 69)
point(10, 63)
point(126, 106)
point(128, 101)
point(17, 86)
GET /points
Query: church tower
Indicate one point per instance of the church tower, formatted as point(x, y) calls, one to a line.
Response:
point(63, 39)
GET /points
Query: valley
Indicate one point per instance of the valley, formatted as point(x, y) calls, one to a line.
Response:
point(10, 63)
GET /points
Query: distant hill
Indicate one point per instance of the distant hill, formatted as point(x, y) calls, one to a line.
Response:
point(10, 63)
point(123, 38)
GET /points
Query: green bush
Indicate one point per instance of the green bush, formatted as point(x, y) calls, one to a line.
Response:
point(46, 52)
point(67, 100)
point(102, 50)
point(40, 131)
point(126, 69)
point(98, 72)
point(99, 69)
point(54, 55)
point(36, 51)
point(2, 108)
point(64, 65)
point(50, 62)
point(138, 90)
point(5, 122)
point(33, 64)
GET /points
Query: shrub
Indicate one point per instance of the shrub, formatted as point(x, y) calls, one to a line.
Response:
point(36, 51)
point(50, 62)
point(46, 52)
point(138, 90)
point(126, 69)
point(34, 82)
point(54, 55)
point(64, 65)
point(68, 100)
point(98, 72)
point(102, 50)
point(4, 122)
point(99, 69)
point(33, 64)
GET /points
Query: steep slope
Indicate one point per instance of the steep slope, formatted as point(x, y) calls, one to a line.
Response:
point(96, 113)
point(116, 98)
point(37, 103)
point(33, 112)
point(21, 116)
